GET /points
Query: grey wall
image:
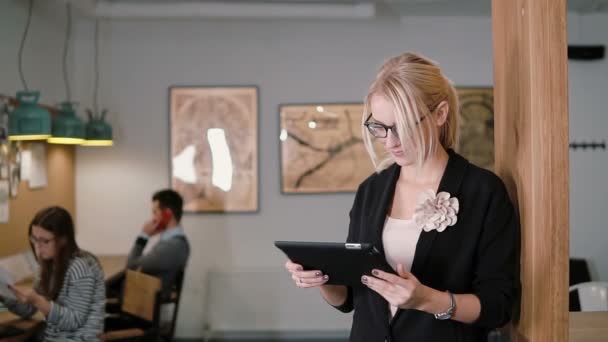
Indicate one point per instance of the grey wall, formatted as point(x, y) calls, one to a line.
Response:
point(291, 61)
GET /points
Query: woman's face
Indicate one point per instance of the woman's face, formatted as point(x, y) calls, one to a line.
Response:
point(384, 113)
point(44, 242)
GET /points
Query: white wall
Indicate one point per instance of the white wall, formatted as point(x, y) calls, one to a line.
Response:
point(589, 122)
point(291, 61)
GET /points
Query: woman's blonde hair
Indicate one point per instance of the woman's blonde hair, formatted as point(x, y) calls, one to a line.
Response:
point(415, 86)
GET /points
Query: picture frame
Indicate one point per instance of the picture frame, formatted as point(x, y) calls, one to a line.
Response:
point(321, 148)
point(214, 147)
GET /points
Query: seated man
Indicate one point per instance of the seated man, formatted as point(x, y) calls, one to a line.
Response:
point(165, 260)
point(170, 254)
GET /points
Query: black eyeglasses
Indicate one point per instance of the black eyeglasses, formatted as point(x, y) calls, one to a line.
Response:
point(40, 241)
point(379, 130)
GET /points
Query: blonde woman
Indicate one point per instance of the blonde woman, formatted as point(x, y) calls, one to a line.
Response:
point(446, 226)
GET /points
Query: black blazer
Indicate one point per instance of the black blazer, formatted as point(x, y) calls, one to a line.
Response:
point(478, 255)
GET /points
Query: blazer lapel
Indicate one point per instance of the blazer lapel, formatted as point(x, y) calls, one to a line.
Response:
point(450, 183)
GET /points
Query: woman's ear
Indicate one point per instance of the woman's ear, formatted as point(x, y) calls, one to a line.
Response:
point(442, 113)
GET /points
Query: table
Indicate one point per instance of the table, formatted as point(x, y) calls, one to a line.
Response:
point(588, 326)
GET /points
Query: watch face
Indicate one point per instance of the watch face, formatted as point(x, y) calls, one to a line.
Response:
point(450, 311)
point(443, 316)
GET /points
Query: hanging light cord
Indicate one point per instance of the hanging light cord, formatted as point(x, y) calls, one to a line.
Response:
point(23, 38)
point(96, 62)
point(68, 34)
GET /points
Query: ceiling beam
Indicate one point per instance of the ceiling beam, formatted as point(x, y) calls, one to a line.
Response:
point(191, 9)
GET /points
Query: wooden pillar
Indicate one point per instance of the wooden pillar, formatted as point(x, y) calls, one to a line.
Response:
point(531, 135)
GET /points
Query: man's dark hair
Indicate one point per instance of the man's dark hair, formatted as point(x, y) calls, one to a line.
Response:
point(170, 199)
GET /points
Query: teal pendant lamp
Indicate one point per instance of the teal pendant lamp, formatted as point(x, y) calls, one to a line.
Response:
point(28, 121)
point(98, 131)
point(67, 127)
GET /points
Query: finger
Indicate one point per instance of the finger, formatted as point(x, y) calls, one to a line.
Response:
point(292, 266)
point(311, 280)
point(308, 282)
point(391, 278)
point(15, 290)
point(392, 293)
point(403, 273)
point(313, 283)
point(18, 293)
point(378, 286)
point(308, 274)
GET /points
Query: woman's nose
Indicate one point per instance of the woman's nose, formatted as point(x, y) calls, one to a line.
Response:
point(391, 140)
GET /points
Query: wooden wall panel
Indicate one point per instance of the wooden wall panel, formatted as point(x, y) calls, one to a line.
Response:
point(531, 135)
point(60, 191)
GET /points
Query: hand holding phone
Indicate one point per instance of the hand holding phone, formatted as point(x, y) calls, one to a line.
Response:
point(166, 216)
point(156, 226)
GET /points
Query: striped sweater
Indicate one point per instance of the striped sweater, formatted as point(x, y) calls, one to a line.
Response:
point(78, 312)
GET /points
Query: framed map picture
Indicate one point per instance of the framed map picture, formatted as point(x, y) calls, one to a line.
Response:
point(322, 149)
point(214, 147)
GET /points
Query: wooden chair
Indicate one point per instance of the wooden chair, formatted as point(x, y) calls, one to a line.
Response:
point(174, 298)
point(593, 295)
point(140, 307)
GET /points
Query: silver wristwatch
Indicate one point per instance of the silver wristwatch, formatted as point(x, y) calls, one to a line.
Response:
point(447, 314)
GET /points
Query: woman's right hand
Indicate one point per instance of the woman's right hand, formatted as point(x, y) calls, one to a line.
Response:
point(305, 279)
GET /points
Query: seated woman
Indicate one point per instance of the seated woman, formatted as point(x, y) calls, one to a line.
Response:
point(69, 289)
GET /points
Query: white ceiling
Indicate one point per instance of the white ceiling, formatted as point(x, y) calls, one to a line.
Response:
point(308, 8)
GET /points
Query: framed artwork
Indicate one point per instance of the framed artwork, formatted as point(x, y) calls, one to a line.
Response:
point(477, 125)
point(322, 148)
point(214, 147)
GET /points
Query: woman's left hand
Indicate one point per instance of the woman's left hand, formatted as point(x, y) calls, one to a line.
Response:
point(27, 296)
point(402, 290)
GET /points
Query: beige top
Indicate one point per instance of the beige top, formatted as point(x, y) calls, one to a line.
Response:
point(399, 239)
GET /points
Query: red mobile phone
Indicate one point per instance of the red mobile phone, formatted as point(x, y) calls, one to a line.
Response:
point(166, 216)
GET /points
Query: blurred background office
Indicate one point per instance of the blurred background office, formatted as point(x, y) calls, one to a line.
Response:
point(292, 52)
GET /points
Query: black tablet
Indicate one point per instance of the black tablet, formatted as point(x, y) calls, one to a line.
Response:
point(344, 263)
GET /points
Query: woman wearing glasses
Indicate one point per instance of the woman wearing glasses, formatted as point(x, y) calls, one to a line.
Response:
point(447, 227)
point(69, 289)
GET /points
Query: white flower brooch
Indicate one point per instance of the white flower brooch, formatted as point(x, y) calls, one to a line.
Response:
point(436, 211)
